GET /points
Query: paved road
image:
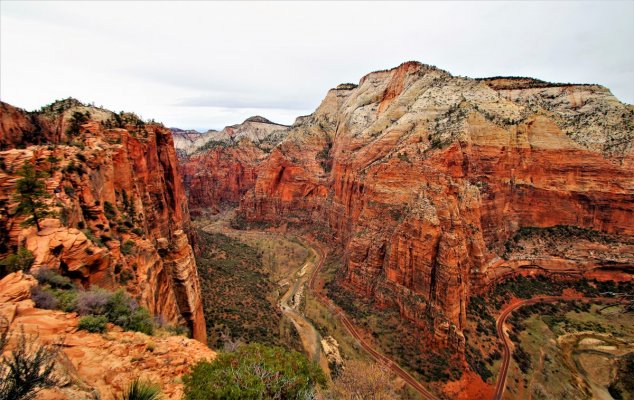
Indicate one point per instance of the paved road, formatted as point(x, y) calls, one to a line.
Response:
point(501, 321)
point(380, 358)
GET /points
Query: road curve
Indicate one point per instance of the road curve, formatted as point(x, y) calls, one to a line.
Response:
point(506, 342)
point(426, 394)
point(310, 338)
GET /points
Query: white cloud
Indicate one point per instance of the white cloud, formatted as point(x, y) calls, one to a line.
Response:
point(209, 64)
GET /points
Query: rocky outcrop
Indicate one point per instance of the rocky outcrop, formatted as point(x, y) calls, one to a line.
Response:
point(120, 205)
point(423, 177)
point(187, 141)
point(257, 130)
point(96, 366)
point(224, 167)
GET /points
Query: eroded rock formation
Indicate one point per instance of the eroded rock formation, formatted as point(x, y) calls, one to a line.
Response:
point(423, 177)
point(221, 166)
point(121, 207)
point(91, 365)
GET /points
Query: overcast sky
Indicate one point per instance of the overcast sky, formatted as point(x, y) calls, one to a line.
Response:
point(201, 65)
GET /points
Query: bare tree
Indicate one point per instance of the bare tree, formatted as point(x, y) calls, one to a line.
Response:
point(364, 381)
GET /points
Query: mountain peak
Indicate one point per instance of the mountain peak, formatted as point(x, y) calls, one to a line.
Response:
point(257, 118)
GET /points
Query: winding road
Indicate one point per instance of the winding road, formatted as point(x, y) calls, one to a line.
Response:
point(506, 341)
point(380, 358)
point(311, 339)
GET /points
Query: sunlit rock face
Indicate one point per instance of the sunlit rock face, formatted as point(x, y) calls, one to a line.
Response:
point(423, 177)
point(121, 208)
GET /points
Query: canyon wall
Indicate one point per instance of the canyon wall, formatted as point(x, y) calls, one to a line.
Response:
point(423, 177)
point(121, 211)
point(218, 167)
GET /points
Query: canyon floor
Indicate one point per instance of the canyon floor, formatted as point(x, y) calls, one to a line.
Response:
point(573, 353)
point(296, 263)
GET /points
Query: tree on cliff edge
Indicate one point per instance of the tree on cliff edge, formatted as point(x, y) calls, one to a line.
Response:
point(30, 193)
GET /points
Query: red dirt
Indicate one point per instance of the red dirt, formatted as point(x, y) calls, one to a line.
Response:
point(469, 387)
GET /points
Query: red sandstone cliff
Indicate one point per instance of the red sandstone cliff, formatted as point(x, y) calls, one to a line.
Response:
point(423, 177)
point(219, 167)
point(121, 207)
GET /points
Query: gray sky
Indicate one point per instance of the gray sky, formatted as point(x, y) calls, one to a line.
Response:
point(203, 65)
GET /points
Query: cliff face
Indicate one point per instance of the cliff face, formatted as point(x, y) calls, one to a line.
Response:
point(423, 178)
point(221, 167)
point(120, 204)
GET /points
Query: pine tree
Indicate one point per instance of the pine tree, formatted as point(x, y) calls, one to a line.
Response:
point(30, 195)
point(52, 163)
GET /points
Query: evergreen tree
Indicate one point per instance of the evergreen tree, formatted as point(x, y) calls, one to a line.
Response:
point(52, 163)
point(30, 195)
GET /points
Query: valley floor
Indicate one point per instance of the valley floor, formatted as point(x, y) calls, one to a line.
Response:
point(295, 271)
point(573, 350)
point(576, 354)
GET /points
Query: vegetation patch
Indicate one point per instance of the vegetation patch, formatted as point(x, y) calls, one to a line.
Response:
point(28, 368)
point(558, 234)
point(21, 260)
point(97, 306)
point(527, 287)
point(483, 351)
point(238, 294)
point(254, 371)
point(571, 349)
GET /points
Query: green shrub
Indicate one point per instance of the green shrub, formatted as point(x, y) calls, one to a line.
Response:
point(141, 321)
point(27, 369)
point(177, 330)
point(46, 276)
point(93, 323)
point(66, 299)
point(522, 358)
point(404, 157)
point(127, 247)
point(123, 311)
point(20, 261)
point(435, 143)
point(109, 210)
point(254, 371)
point(140, 390)
point(76, 121)
point(92, 237)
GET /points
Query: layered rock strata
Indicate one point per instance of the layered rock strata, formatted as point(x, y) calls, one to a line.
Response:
point(121, 210)
point(423, 177)
point(221, 168)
